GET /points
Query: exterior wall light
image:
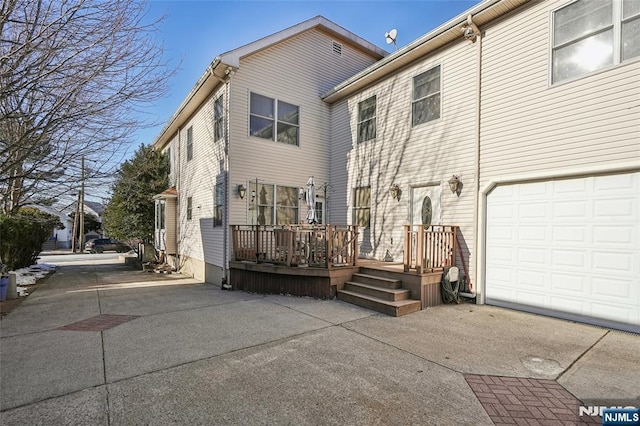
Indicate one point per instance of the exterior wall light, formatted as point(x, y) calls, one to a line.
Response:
point(455, 185)
point(242, 191)
point(395, 192)
point(301, 193)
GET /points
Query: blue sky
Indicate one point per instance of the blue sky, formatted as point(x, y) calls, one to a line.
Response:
point(195, 32)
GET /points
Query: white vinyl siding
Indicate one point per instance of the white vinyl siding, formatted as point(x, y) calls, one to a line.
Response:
point(199, 239)
point(367, 120)
point(288, 71)
point(529, 127)
point(410, 156)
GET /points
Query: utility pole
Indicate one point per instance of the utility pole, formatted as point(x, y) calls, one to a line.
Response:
point(74, 240)
point(82, 208)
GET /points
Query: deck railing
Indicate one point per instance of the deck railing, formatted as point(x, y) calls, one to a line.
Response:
point(429, 248)
point(322, 246)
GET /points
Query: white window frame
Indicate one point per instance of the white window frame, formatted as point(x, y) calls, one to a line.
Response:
point(414, 101)
point(358, 208)
point(275, 120)
point(366, 121)
point(218, 118)
point(616, 27)
point(189, 208)
point(189, 143)
point(218, 204)
point(254, 203)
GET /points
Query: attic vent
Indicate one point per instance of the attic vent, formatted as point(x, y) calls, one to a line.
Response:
point(337, 48)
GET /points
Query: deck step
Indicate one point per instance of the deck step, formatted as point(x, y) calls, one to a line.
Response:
point(394, 308)
point(391, 294)
point(376, 281)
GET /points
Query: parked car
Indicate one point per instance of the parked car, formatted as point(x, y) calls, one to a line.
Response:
point(99, 245)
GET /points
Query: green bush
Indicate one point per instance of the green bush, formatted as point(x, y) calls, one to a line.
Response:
point(22, 236)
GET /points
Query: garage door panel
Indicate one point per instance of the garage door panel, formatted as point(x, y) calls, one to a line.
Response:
point(532, 233)
point(569, 234)
point(569, 304)
point(615, 236)
point(612, 290)
point(611, 262)
point(612, 209)
point(567, 247)
point(575, 210)
point(569, 284)
point(564, 258)
point(532, 279)
point(532, 256)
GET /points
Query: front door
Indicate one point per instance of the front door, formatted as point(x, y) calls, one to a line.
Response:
point(425, 205)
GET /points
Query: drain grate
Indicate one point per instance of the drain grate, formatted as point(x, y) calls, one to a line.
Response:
point(516, 400)
point(99, 323)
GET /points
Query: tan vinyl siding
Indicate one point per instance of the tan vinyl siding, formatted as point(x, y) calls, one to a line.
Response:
point(429, 153)
point(530, 126)
point(297, 71)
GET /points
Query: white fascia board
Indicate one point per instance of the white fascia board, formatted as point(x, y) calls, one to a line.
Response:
point(445, 33)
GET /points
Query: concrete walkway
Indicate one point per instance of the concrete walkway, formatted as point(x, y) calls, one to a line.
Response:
point(100, 344)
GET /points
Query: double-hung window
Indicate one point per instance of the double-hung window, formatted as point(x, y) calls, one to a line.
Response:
point(190, 143)
point(218, 204)
point(425, 105)
point(367, 120)
point(218, 117)
point(362, 206)
point(274, 120)
point(273, 204)
point(589, 35)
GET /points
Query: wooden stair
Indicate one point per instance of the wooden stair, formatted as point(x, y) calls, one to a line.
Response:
point(380, 294)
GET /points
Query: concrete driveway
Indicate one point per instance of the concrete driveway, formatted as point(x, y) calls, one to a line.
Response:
point(101, 344)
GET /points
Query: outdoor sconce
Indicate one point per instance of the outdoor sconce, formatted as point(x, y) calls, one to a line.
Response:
point(455, 185)
point(301, 193)
point(242, 191)
point(394, 191)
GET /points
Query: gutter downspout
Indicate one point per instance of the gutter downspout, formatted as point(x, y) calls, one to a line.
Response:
point(178, 201)
point(478, 41)
point(225, 222)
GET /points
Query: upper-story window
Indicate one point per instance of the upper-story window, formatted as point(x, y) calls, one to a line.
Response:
point(189, 143)
point(589, 35)
point(271, 118)
point(367, 119)
point(218, 117)
point(189, 208)
point(426, 96)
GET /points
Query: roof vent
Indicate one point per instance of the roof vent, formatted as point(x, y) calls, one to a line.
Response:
point(337, 48)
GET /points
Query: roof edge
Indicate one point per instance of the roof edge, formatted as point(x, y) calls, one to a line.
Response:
point(418, 48)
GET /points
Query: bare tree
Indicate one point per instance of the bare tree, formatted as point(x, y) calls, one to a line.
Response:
point(75, 76)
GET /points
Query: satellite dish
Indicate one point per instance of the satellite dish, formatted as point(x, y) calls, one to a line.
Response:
point(391, 37)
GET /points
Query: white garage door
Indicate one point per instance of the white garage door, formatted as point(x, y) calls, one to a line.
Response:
point(568, 248)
